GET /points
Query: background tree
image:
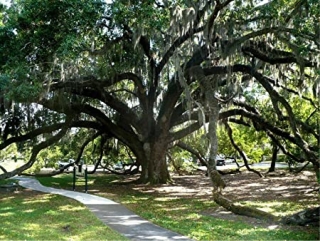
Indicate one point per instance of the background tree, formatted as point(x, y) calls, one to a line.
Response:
point(149, 73)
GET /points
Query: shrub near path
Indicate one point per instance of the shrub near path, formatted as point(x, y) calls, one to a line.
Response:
point(187, 207)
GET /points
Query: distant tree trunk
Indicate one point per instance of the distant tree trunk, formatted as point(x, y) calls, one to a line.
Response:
point(213, 120)
point(275, 150)
point(176, 168)
point(316, 168)
point(209, 86)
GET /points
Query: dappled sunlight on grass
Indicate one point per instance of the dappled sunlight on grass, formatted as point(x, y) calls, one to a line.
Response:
point(171, 209)
point(164, 199)
point(42, 200)
point(6, 214)
point(28, 211)
point(32, 227)
point(193, 216)
point(71, 208)
point(6, 198)
point(52, 212)
point(36, 216)
point(187, 208)
point(6, 208)
point(278, 208)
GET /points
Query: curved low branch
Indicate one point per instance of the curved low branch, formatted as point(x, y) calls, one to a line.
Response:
point(48, 129)
point(31, 135)
point(184, 132)
point(3, 169)
point(128, 138)
point(282, 148)
point(305, 127)
point(229, 131)
point(35, 151)
point(98, 163)
point(83, 146)
point(194, 152)
point(229, 48)
point(127, 113)
point(290, 58)
point(265, 82)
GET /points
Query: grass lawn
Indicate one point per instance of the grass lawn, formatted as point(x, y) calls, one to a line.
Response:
point(30, 215)
point(186, 215)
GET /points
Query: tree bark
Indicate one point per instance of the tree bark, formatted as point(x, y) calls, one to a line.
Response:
point(153, 162)
point(3, 169)
point(274, 157)
point(176, 168)
point(308, 217)
point(242, 210)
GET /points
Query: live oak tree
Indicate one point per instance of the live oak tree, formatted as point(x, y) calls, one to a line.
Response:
point(149, 73)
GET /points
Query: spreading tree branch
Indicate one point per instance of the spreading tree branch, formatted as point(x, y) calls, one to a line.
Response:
point(241, 153)
point(36, 149)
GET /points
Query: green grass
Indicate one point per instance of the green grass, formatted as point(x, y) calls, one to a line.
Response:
point(29, 215)
point(186, 215)
point(278, 208)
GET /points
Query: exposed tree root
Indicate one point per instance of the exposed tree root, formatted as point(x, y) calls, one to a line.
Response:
point(242, 210)
point(308, 217)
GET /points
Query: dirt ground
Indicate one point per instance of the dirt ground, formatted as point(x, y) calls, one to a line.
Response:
point(246, 186)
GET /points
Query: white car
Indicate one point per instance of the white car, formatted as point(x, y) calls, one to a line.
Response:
point(220, 160)
point(61, 164)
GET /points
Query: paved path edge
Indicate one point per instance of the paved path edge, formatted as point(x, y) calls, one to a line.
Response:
point(113, 214)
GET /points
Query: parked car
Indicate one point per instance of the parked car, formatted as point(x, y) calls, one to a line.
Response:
point(220, 160)
point(230, 160)
point(61, 164)
point(117, 166)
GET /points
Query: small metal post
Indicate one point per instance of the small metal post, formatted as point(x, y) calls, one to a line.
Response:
point(86, 179)
point(74, 178)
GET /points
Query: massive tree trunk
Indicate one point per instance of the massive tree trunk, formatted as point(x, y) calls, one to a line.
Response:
point(153, 162)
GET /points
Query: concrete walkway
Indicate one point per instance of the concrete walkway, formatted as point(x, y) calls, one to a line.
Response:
point(111, 213)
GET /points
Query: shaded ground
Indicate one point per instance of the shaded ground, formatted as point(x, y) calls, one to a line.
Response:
point(243, 187)
point(273, 192)
point(278, 189)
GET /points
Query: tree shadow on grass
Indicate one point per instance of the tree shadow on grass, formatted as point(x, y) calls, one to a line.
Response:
point(31, 215)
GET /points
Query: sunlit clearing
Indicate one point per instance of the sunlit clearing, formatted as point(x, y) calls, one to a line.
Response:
point(278, 208)
point(165, 199)
point(5, 208)
point(246, 231)
point(173, 208)
point(31, 227)
point(71, 208)
point(7, 198)
point(7, 214)
point(44, 199)
point(272, 227)
point(193, 216)
point(29, 211)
